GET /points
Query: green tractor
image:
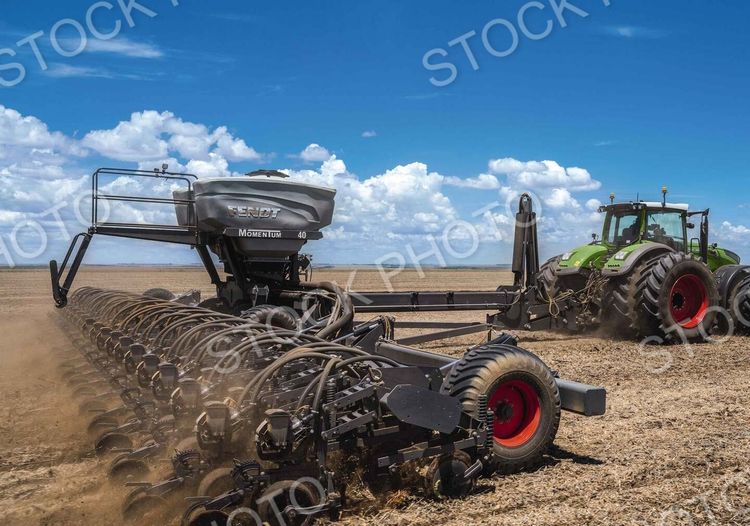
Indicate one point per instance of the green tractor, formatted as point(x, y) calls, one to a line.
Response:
point(645, 277)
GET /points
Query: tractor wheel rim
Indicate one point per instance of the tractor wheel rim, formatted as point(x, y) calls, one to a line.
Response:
point(518, 412)
point(688, 301)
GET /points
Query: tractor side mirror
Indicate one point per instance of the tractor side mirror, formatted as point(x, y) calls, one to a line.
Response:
point(690, 226)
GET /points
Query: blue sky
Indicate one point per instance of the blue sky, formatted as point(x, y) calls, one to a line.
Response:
point(635, 95)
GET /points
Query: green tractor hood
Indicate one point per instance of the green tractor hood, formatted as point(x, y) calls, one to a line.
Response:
point(600, 257)
point(583, 257)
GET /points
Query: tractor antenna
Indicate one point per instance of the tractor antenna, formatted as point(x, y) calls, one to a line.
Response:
point(663, 196)
point(611, 198)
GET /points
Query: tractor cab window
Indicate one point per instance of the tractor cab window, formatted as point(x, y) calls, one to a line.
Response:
point(624, 228)
point(667, 228)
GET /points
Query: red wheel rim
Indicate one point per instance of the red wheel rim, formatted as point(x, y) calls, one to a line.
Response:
point(518, 411)
point(688, 301)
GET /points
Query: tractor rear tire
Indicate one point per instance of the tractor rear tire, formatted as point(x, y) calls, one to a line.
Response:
point(523, 394)
point(676, 300)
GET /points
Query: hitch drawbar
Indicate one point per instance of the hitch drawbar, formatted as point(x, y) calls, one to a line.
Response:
point(583, 399)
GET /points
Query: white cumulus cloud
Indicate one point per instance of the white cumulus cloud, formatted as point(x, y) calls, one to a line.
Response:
point(314, 153)
point(729, 232)
point(543, 174)
point(480, 182)
point(406, 206)
point(152, 135)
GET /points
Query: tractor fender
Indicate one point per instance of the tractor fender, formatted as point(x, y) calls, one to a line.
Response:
point(569, 271)
point(648, 250)
point(727, 278)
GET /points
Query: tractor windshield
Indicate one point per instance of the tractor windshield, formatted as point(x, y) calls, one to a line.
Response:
point(666, 227)
point(623, 227)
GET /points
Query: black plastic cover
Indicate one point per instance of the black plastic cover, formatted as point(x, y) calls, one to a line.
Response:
point(257, 205)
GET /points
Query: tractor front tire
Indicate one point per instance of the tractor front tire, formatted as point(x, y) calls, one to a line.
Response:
point(546, 279)
point(676, 300)
point(620, 301)
point(522, 393)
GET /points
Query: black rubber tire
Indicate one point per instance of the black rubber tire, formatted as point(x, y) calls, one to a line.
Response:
point(550, 285)
point(620, 301)
point(112, 440)
point(209, 518)
point(142, 507)
point(94, 406)
point(547, 280)
point(481, 370)
point(159, 293)
point(131, 496)
point(653, 312)
point(216, 482)
point(738, 305)
point(101, 424)
point(282, 317)
point(444, 478)
point(306, 496)
point(123, 468)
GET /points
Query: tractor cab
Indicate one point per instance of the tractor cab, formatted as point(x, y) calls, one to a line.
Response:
point(626, 224)
point(634, 230)
point(630, 228)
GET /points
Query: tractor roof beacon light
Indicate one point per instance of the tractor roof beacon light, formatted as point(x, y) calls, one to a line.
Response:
point(612, 198)
point(664, 196)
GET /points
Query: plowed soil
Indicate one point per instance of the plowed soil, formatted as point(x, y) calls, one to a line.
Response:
point(673, 448)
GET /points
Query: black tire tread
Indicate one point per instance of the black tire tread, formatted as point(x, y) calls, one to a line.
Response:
point(547, 280)
point(651, 285)
point(476, 373)
point(741, 312)
point(211, 478)
point(620, 302)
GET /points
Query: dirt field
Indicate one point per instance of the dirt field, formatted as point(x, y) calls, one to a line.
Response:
point(674, 447)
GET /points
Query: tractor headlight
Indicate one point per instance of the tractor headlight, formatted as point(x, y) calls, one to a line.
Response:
point(566, 256)
point(621, 255)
